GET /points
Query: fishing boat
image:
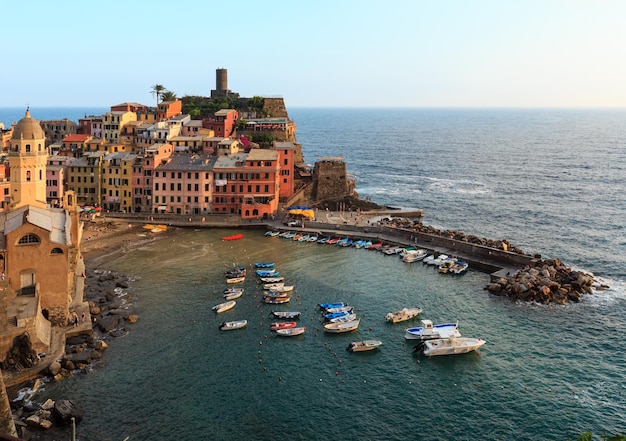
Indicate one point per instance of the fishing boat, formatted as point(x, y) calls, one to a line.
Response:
point(450, 346)
point(333, 315)
point(337, 328)
point(403, 315)
point(459, 267)
point(276, 300)
point(224, 306)
point(286, 314)
point(282, 325)
point(235, 271)
point(233, 237)
point(237, 324)
point(429, 331)
point(414, 255)
point(235, 279)
point(267, 273)
point(365, 345)
point(264, 265)
point(341, 309)
point(291, 332)
point(273, 285)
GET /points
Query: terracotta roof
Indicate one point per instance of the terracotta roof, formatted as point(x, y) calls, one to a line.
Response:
point(76, 137)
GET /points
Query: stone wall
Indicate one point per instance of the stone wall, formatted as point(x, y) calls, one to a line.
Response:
point(275, 107)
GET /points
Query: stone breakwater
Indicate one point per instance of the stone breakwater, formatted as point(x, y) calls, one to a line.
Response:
point(548, 281)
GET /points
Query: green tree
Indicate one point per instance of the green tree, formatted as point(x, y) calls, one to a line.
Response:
point(168, 95)
point(157, 91)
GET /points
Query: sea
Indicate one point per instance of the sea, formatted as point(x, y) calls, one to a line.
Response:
point(551, 181)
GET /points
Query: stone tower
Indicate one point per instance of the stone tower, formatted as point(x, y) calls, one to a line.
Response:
point(27, 161)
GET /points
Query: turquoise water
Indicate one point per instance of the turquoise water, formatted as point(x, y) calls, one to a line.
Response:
point(545, 372)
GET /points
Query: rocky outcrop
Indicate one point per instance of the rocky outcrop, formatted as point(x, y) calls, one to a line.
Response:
point(545, 282)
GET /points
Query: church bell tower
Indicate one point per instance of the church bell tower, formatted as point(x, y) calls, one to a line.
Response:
point(28, 157)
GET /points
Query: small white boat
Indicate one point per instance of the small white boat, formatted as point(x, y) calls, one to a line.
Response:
point(286, 314)
point(224, 306)
point(459, 267)
point(277, 300)
point(284, 288)
point(414, 255)
point(450, 346)
point(273, 285)
point(340, 309)
point(337, 328)
point(237, 324)
point(403, 315)
point(272, 279)
point(365, 345)
point(233, 290)
point(429, 331)
point(275, 294)
point(342, 319)
point(291, 332)
point(232, 295)
point(235, 279)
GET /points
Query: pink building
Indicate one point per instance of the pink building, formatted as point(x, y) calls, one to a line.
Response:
point(183, 184)
point(143, 172)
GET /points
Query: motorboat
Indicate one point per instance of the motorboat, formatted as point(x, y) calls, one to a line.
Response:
point(232, 290)
point(337, 328)
point(224, 306)
point(450, 346)
point(282, 325)
point(284, 288)
point(333, 315)
point(264, 265)
point(286, 314)
point(429, 331)
point(403, 315)
point(236, 324)
point(273, 285)
point(459, 267)
point(365, 345)
point(414, 256)
point(341, 309)
point(267, 273)
point(291, 332)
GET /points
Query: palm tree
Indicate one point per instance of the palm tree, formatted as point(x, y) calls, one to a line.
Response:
point(168, 95)
point(157, 91)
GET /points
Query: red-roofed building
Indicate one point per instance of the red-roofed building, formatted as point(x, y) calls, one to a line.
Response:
point(76, 143)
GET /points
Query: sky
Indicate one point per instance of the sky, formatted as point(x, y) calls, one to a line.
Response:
point(321, 53)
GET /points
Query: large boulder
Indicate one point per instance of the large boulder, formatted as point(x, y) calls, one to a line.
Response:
point(65, 410)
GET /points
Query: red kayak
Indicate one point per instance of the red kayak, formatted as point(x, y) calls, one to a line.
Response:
point(233, 237)
point(282, 325)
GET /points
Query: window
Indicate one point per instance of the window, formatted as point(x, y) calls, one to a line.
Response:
point(28, 239)
point(56, 251)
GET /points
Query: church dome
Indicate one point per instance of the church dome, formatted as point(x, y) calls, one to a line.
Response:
point(28, 128)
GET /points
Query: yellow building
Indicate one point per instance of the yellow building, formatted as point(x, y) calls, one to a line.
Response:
point(84, 177)
point(39, 247)
point(126, 187)
point(113, 124)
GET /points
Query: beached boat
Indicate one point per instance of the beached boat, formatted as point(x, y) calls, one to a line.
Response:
point(403, 315)
point(272, 279)
point(326, 306)
point(282, 325)
point(286, 314)
point(235, 279)
point(236, 324)
point(264, 265)
point(276, 300)
point(233, 237)
point(224, 306)
point(450, 346)
point(337, 328)
point(429, 331)
point(291, 332)
point(365, 345)
point(232, 295)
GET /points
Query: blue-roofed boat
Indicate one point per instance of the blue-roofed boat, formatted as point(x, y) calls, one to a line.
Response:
point(334, 315)
point(267, 273)
point(429, 331)
point(264, 265)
